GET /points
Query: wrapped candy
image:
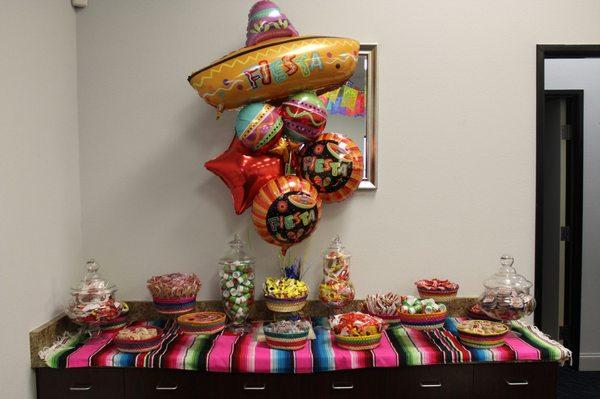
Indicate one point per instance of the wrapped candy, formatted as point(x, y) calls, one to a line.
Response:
point(389, 304)
point(412, 305)
point(285, 288)
point(288, 327)
point(174, 285)
point(94, 300)
point(336, 289)
point(356, 324)
point(237, 285)
point(506, 296)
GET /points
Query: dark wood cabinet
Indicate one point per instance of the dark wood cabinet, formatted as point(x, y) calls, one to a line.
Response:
point(84, 383)
point(455, 381)
point(473, 380)
point(163, 384)
point(515, 380)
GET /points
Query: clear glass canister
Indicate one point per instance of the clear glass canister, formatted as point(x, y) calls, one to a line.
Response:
point(507, 294)
point(236, 272)
point(93, 299)
point(336, 289)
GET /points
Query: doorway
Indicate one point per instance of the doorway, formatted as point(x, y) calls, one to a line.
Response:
point(559, 202)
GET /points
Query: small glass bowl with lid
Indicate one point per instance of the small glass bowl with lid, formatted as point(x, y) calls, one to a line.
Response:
point(507, 294)
point(93, 300)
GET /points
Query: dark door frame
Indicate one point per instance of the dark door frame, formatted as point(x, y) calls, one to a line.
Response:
point(574, 191)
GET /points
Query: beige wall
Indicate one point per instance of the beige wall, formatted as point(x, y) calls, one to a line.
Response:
point(40, 213)
point(456, 131)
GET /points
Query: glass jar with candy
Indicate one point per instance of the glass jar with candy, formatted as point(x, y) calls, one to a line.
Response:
point(237, 286)
point(336, 289)
point(93, 302)
point(507, 294)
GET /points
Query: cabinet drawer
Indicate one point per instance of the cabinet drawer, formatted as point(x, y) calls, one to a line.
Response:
point(515, 380)
point(363, 383)
point(451, 381)
point(163, 384)
point(84, 383)
point(233, 386)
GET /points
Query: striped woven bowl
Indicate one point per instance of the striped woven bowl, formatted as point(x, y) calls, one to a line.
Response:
point(481, 341)
point(286, 305)
point(360, 343)
point(201, 323)
point(118, 322)
point(174, 305)
point(438, 296)
point(423, 321)
point(139, 346)
point(286, 341)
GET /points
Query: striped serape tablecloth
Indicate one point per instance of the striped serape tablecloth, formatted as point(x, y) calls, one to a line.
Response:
point(225, 352)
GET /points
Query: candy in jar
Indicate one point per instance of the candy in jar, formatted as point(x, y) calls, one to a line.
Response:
point(93, 300)
point(237, 286)
point(336, 289)
point(507, 294)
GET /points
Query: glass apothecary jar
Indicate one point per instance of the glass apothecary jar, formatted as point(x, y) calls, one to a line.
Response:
point(336, 289)
point(507, 294)
point(236, 272)
point(93, 300)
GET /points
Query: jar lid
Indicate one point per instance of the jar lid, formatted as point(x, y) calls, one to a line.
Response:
point(237, 252)
point(337, 247)
point(507, 276)
point(92, 283)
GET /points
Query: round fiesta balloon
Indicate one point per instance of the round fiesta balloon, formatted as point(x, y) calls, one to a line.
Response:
point(304, 116)
point(286, 210)
point(258, 126)
point(334, 165)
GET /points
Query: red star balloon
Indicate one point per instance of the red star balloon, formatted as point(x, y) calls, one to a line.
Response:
point(244, 172)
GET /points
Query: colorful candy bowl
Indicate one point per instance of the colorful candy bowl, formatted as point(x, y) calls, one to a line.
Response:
point(174, 306)
point(138, 345)
point(202, 323)
point(117, 323)
point(285, 305)
point(439, 290)
point(424, 321)
point(358, 343)
point(482, 334)
point(286, 341)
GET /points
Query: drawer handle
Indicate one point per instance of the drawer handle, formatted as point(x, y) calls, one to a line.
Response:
point(161, 388)
point(342, 386)
point(79, 388)
point(517, 383)
point(430, 384)
point(254, 387)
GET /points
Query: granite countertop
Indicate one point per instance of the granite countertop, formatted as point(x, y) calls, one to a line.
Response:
point(46, 334)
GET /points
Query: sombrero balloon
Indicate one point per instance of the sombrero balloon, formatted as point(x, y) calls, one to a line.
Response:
point(286, 210)
point(265, 22)
point(276, 64)
point(334, 165)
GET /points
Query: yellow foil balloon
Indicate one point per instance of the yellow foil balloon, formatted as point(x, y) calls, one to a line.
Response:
point(275, 69)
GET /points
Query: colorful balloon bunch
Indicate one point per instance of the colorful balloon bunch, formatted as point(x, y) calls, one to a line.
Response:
point(279, 131)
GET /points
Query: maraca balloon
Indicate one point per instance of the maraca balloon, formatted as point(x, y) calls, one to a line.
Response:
point(258, 126)
point(286, 210)
point(334, 165)
point(304, 116)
